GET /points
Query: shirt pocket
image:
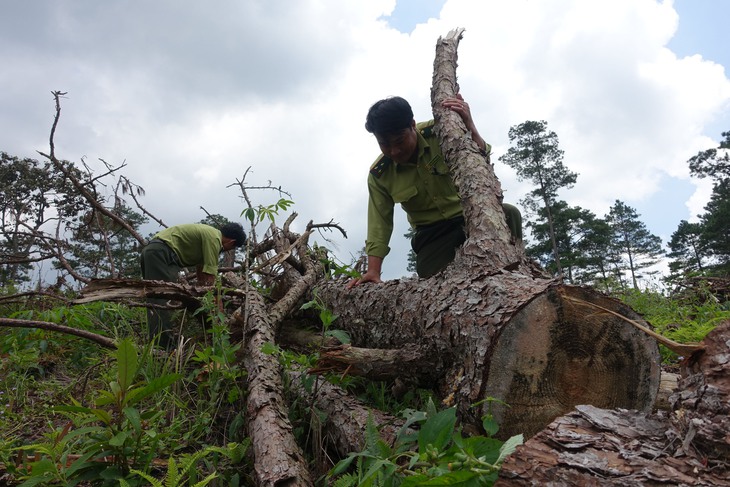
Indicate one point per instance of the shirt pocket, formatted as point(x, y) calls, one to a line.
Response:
point(405, 194)
point(437, 166)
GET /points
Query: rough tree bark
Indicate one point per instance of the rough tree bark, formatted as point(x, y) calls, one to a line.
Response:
point(499, 327)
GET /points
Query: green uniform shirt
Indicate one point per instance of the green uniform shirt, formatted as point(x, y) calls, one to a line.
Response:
point(195, 244)
point(424, 190)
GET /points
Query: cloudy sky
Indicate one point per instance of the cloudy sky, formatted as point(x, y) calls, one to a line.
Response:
point(190, 94)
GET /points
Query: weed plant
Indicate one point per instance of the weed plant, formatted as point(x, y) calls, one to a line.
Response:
point(63, 415)
point(682, 319)
point(432, 453)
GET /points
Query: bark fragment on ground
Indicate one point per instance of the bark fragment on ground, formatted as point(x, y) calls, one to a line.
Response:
point(702, 401)
point(593, 446)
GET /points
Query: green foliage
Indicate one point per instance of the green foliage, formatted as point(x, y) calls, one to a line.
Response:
point(704, 247)
point(536, 157)
point(687, 251)
point(411, 267)
point(326, 317)
point(582, 239)
point(184, 470)
point(638, 248)
point(333, 267)
point(713, 163)
point(260, 213)
point(715, 231)
point(30, 191)
point(37, 195)
point(119, 432)
point(214, 382)
point(100, 247)
point(681, 320)
point(435, 454)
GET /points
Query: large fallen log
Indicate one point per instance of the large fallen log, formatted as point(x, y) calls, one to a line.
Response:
point(278, 459)
point(592, 446)
point(500, 327)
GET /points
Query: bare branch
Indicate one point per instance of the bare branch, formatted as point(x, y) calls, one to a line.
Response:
point(328, 225)
point(139, 190)
point(91, 198)
point(45, 325)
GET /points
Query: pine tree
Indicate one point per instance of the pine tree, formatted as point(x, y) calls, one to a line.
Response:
point(715, 222)
point(714, 226)
point(100, 248)
point(33, 196)
point(686, 250)
point(536, 157)
point(583, 242)
point(637, 246)
point(411, 254)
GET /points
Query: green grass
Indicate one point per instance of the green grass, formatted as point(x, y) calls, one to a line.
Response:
point(685, 320)
point(204, 409)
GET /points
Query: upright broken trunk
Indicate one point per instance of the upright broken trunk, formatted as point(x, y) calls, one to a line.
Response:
point(493, 324)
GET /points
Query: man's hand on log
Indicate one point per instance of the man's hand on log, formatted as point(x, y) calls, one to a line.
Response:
point(458, 105)
point(369, 276)
point(375, 265)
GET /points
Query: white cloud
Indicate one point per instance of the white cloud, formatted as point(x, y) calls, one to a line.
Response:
point(190, 94)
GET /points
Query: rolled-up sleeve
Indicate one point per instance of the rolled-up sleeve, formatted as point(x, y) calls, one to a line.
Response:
point(210, 251)
point(380, 219)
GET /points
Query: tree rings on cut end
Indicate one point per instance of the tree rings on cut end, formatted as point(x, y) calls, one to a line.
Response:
point(560, 351)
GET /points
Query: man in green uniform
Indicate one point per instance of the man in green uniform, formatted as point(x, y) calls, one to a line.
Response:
point(411, 171)
point(189, 245)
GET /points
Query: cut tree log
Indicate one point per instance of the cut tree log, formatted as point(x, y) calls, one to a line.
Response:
point(500, 327)
point(592, 446)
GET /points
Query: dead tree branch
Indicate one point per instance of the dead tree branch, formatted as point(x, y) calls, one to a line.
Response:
point(45, 325)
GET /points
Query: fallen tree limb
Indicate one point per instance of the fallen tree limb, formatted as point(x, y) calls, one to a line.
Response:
point(345, 417)
point(278, 460)
point(178, 295)
point(412, 363)
point(45, 325)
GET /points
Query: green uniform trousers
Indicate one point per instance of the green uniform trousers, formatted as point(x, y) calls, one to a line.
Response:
point(160, 263)
point(435, 244)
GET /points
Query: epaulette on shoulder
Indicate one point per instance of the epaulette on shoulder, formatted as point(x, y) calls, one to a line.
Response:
point(379, 167)
point(426, 128)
